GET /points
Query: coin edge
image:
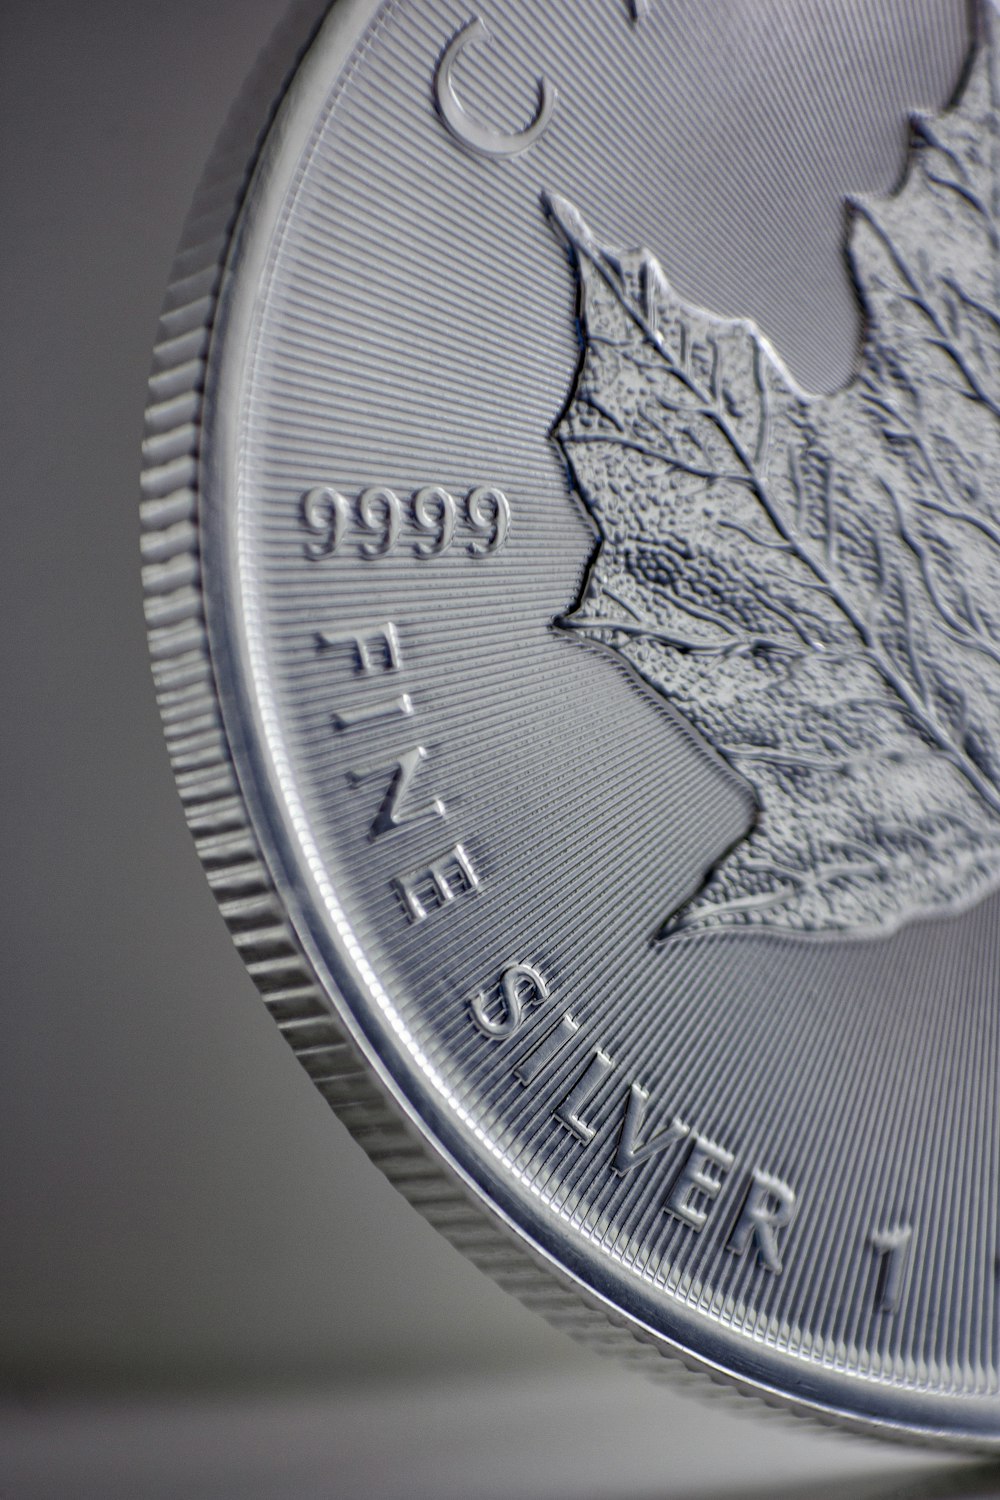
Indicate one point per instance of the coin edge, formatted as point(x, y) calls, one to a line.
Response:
point(205, 770)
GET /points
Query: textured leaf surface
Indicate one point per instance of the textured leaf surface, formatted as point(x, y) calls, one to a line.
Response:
point(814, 581)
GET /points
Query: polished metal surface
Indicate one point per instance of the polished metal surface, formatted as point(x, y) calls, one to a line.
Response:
point(620, 871)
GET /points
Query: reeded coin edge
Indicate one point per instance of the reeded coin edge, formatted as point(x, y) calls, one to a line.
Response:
point(201, 758)
point(188, 699)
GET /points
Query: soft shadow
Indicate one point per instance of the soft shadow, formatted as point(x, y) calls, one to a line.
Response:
point(962, 1480)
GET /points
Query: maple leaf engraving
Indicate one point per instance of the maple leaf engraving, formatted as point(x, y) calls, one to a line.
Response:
point(814, 581)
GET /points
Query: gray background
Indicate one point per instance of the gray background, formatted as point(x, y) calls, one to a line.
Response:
point(204, 1286)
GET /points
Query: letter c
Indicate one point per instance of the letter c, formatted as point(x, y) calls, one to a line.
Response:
point(463, 126)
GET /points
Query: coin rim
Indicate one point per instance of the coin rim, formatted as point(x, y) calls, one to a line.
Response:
point(202, 676)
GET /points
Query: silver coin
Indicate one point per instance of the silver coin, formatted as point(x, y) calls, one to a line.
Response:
point(586, 703)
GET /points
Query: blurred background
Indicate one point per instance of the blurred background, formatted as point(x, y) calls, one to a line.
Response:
point(205, 1288)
